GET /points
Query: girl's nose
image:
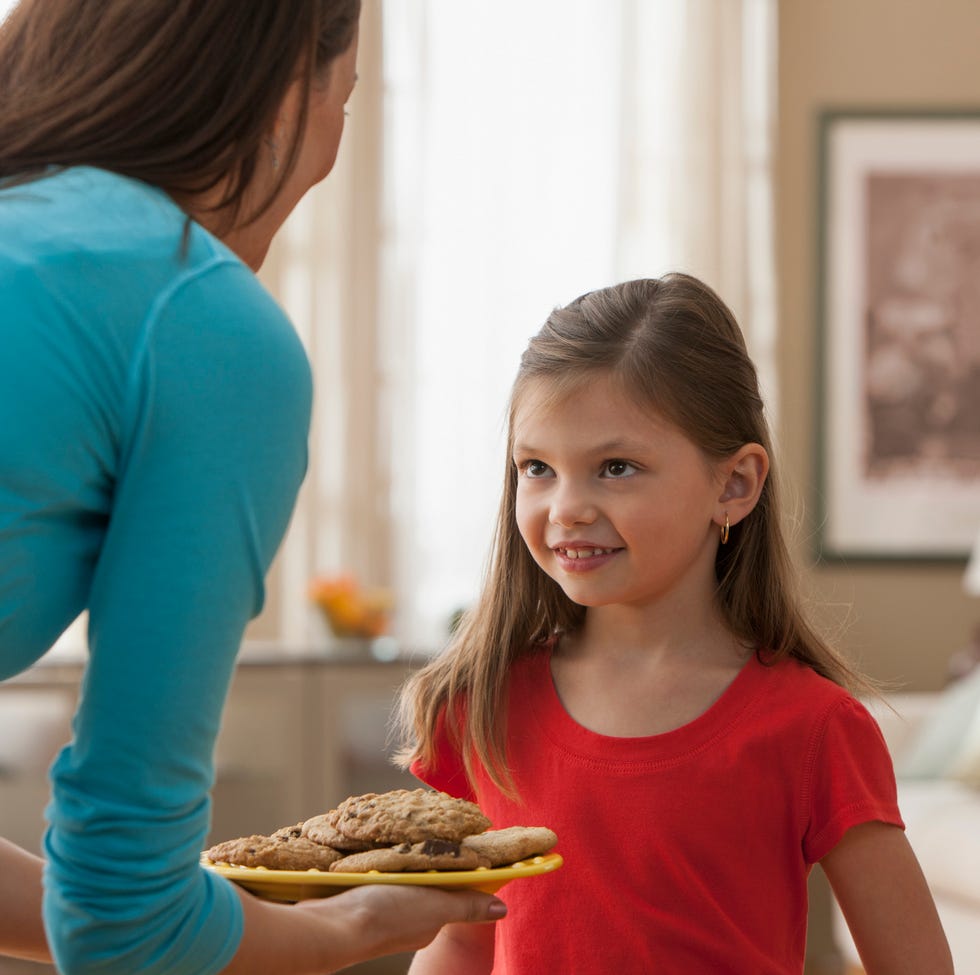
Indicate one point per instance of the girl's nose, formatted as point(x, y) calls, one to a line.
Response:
point(570, 507)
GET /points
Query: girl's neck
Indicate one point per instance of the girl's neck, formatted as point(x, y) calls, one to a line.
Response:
point(614, 682)
point(667, 639)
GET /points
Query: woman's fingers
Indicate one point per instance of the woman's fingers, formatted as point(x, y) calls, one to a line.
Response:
point(407, 918)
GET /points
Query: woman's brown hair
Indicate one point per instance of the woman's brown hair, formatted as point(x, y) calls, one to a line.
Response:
point(676, 348)
point(177, 93)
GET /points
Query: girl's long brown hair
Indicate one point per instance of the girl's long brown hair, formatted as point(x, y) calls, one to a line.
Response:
point(674, 345)
point(177, 93)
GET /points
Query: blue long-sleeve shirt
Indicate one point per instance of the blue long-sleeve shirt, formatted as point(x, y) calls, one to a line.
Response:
point(154, 412)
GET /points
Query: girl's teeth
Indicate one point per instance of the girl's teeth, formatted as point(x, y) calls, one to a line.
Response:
point(585, 553)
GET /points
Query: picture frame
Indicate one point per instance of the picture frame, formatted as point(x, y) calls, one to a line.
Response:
point(898, 326)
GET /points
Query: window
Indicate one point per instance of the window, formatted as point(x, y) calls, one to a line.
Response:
point(527, 153)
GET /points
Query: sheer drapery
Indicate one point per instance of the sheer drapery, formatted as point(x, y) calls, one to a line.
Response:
point(501, 160)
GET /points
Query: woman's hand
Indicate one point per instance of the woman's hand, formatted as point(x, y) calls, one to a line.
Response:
point(21, 929)
point(325, 935)
point(389, 919)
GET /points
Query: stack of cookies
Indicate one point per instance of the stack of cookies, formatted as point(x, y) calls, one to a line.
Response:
point(392, 832)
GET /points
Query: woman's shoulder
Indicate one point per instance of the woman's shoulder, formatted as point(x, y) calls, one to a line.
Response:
point(83, 206)
point(84, 238)
point(111, 230)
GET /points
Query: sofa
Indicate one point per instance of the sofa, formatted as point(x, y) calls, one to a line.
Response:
point(934, 739)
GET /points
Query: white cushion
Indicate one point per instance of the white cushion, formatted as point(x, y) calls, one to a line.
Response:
point(965, 766)
point(938, 743)
point(944, 830)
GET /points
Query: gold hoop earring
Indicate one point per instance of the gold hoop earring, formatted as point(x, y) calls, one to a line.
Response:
point(724, 530)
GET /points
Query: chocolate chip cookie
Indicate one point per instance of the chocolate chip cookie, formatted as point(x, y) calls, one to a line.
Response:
point(323, 829)
point(427, 855)
point(505, 846)
point(404, 816)
point(275, 852)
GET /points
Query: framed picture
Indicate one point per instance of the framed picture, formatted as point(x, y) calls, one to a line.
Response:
point(899, 334)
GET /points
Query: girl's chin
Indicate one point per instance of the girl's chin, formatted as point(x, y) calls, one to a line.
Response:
point(579, 596)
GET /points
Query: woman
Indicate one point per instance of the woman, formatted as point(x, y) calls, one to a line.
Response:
point(155, 406)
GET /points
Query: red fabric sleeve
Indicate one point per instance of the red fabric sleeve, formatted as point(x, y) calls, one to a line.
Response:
point(851, 778)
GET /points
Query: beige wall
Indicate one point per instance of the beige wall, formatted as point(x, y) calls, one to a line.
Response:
point(901, 621)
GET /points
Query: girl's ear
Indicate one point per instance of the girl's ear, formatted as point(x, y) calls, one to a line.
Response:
point(745, 474)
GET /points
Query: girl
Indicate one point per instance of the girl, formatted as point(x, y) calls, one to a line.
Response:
point(637, 674)
point(155, 405)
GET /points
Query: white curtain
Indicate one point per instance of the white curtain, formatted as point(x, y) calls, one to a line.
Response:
point(500, 160)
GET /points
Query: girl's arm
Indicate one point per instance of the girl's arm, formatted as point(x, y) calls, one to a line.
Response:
point(884, 896)
point(458, 948)
point(21, 930)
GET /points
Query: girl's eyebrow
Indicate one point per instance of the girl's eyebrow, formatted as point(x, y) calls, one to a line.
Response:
point(617, 445)
point(621, 446)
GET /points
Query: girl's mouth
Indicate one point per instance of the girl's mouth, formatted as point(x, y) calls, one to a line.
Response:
point(581, 558)
point(583, 553)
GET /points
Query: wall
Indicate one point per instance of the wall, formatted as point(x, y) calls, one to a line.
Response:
point(901, 622)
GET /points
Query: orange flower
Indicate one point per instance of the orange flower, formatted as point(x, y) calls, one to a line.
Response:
point(349, 609)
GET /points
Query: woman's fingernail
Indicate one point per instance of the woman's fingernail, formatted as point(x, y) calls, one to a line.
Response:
point(496, 910)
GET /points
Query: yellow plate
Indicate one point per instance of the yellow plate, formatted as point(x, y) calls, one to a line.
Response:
point(298, 885)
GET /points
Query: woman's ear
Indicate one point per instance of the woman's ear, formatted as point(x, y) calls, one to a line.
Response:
point(744, 475)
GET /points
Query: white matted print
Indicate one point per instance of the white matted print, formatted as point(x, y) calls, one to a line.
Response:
point(899, 294)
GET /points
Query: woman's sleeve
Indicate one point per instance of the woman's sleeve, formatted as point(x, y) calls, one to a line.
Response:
point(851, 779)
point(211, 460)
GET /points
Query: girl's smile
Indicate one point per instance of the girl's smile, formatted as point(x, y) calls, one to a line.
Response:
point(582, 556)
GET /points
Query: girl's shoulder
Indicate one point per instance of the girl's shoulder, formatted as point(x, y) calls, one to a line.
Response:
point(792, 672)
point(532, 664)
point(793, 686)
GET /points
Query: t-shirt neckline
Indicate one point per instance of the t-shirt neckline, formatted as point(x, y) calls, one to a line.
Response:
point(677, 743)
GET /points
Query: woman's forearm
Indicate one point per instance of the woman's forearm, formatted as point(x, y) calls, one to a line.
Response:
point(311, 938)
point(21, 927)
point(320, 936)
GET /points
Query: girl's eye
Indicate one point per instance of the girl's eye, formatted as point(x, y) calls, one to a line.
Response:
point(618, 468)
point(534, 468)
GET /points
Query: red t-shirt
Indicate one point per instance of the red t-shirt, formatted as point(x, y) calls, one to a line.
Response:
point(686, 853)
